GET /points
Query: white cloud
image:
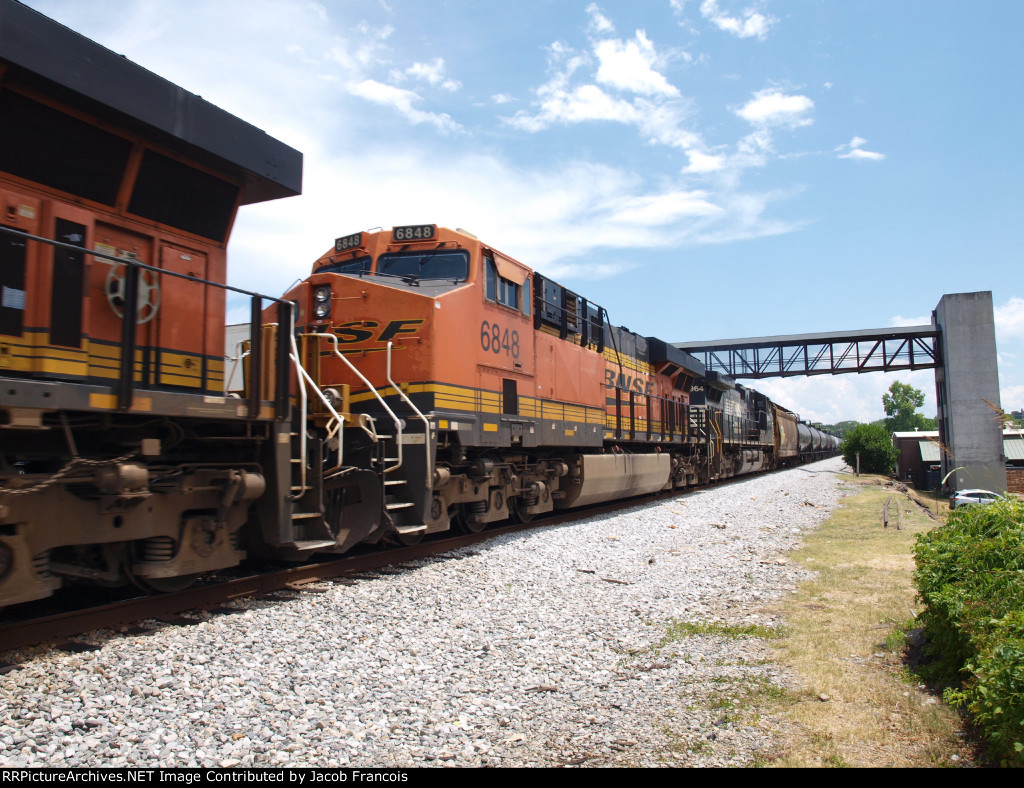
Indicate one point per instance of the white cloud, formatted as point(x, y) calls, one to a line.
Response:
point(621, 66)
point(665, 123)
point(833, 398)
point(599, 23)
point(594, 86)
point(703, 162)
point(365, 51)
point(590, 272)
point(402, 100)
point(502, 98)
point(433, 74)
point(900, 321)
point(584, 103)
point(749, 23)
point(661, 209)
point(863, 155)
point(1012, 398)
point(631, 65)
point(1009, 319)
point(854, 149)
point(658, 112)
point(773, 108)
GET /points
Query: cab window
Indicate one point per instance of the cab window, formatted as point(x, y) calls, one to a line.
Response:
point(434, 265)
point(499, 289)
point(358, 267)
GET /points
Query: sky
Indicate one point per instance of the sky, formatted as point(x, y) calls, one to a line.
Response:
point(702, 169)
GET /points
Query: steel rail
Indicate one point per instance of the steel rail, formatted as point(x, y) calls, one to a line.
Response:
point(162, 606)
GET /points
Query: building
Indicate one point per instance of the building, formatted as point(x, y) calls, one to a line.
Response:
point(919, 461)
point(1013, 450)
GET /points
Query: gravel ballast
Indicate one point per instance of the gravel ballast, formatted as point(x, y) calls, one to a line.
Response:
point(550, 647)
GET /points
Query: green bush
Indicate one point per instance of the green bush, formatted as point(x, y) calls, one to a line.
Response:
point(877, 454)
point(970, 575)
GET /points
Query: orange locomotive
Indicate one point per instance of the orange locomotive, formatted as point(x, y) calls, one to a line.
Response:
point(480, 390)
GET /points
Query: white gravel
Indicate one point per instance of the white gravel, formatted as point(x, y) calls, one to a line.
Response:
point(544, 648)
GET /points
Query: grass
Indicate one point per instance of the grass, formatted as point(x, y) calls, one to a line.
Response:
point(677, 630)
point(856, 705)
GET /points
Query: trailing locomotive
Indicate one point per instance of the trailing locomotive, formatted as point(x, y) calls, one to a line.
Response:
point(417, 381)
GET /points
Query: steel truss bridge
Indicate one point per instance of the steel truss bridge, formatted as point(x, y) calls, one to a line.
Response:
point(833, 353)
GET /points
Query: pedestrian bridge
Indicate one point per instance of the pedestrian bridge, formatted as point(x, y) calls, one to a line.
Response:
point(960, 346)
point(868, 350)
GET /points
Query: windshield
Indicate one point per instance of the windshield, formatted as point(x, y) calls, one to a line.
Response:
point(359, 267)
point(451, 265)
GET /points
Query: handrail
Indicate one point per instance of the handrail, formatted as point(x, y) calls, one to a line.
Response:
point(303, 410)
point(336, 417)
point(134, 263)
point(126, 385)
point(397, 421)
point(424, 419)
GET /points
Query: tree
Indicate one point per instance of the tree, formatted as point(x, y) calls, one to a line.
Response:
point(873, 442)
point(901, 404)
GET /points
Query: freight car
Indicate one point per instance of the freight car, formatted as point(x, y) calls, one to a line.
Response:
point(419, 380)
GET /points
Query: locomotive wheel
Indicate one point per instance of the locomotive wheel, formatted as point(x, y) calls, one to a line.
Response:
point(409, 540)
point(517, 515)
point(463, 524)
point(164, 585)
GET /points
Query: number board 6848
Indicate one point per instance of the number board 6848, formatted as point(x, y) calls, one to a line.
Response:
point(499, 340)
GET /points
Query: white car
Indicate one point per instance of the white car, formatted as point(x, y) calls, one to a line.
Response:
point(972, 497)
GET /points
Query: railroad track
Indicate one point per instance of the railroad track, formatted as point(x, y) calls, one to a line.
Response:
point(59, 627)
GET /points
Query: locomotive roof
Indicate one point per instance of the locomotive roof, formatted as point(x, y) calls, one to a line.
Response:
point(45, 55)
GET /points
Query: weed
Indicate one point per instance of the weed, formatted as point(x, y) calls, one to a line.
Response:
point(897, 639)
point(835, 761)
point(677, 630)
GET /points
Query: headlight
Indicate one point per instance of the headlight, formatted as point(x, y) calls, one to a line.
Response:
point(322, 302)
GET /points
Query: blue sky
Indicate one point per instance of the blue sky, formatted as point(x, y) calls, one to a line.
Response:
point(703, 169)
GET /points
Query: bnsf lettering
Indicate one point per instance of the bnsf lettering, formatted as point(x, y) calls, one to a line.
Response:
point(362, 331)
point(627, 383)
point(396, 327)
point(349, 334)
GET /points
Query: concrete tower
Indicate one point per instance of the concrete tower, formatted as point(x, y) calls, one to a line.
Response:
point(967, 389)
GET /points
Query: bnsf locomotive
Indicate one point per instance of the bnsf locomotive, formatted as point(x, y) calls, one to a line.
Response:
point(418, 381)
